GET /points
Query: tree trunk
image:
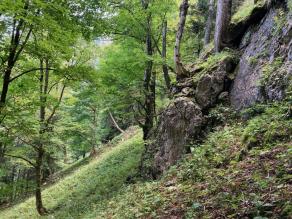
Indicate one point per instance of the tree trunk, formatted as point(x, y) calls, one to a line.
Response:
point(164, 46)
point(180, 70)
point(209, 23)
point(2, 152)
point(222, 21)
point(38, 180)
point(65, 154)
point(149, 102)
point(44, 80)
point(18, 29)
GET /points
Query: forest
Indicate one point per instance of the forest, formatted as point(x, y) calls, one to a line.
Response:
point(121, 109)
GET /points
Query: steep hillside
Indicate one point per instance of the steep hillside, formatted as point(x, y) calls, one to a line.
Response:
point(77, 194)
point(242, 170)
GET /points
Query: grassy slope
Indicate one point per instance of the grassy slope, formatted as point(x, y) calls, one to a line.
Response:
point(240, 171)
point(77, 194)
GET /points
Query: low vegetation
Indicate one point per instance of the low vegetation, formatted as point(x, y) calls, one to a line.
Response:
point(77, 194)
point(216, 179)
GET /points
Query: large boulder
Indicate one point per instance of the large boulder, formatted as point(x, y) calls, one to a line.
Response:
point(213, 83)
point(178, 124)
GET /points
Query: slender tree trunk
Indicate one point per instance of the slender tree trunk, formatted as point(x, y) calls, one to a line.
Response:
point(209, 23)
point(12, 182)
point(149, 102)
point(222, 21)
point(153, 95)
point(5, 85)
point(164, 46)
point(65, 153)
point(44, 80)
point(180, 70)
point(2, 152)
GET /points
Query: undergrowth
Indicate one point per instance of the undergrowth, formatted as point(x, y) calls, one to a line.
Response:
point(214, 182)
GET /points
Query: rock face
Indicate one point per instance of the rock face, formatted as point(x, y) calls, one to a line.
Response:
point(261, 45)
point(212, 84)
point(181, 121)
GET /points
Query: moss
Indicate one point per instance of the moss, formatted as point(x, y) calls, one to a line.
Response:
point(213, 62)
point(289, 4)
point(245, 10)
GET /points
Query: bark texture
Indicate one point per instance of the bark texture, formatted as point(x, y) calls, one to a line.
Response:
point(180, 70)
point(164, 46)
point(223, 18)
point(209, 23)
point(149, 89)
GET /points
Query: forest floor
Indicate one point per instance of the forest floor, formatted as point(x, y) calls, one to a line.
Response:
point(241, 170)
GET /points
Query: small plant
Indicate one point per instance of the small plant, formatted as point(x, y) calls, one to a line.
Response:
point(269, 127)
point(280, 20)
point(270, 68)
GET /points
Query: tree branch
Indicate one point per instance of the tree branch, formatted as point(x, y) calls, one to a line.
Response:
point(28, 71)
point(23, 45)
point(56, 106)
point(22, 158)
point(115, 123)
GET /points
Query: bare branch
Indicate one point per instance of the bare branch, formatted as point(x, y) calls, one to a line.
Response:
point(115, 123)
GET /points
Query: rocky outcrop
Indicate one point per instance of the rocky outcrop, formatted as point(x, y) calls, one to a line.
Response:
point(258, 75)
point(261, 46)
point(183, 120)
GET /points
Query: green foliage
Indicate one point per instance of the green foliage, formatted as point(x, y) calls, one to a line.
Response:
point(211, 182)
point(289, 3)
point(280, 21)
point(273, 125)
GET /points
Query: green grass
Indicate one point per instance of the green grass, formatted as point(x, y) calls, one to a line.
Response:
point(215, 181)
point(76, 195)
point(222, 176)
